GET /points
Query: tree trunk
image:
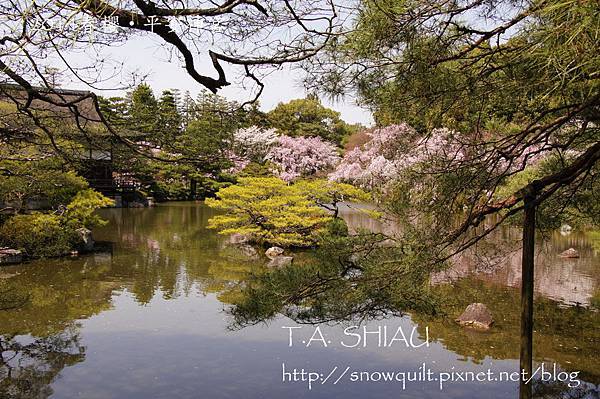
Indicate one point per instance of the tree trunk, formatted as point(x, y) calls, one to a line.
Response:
point(193, 188)
point(527, 267)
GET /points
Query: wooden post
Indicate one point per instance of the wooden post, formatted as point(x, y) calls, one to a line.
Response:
point(527, 268)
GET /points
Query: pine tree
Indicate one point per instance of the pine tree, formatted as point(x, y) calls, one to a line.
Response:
point(169, 119)
point(144, 110)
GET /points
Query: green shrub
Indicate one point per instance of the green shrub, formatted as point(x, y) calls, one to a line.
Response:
point(271, 211)
point(337, 228)
point(38, 235)
point(170, 191)
point(81, 211)
point(38, 180)
point(47, 235)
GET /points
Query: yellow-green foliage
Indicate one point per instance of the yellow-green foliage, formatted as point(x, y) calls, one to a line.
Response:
point(45, 235)
point(269, 211)
point(43, 179)
point(518, 181)
point(38, 234)
point(81, 210)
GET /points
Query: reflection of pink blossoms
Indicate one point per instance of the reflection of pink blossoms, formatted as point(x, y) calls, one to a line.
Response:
point(294, 157)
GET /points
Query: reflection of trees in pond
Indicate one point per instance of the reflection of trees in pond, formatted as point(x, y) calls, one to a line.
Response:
point(28, 365)
point(227, 274)
point(341, 281)
point(562, 390)
point(568, 336)
point(595, 241)
point(58, 292)
point(498, 259)
point(312, 292)
point(167, 249)
point(10, 297)
point(171, 260)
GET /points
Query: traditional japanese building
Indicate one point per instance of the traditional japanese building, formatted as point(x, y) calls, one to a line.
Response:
point(91, 145)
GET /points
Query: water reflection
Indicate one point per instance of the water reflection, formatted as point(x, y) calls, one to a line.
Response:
point(569, 281)
point(145, 320)
point(498, 260)
point(28, 365)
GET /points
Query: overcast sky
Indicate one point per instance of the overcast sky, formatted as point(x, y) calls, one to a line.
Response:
point(149, 57)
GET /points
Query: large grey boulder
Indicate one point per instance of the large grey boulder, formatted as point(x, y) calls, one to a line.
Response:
point(86, 242)
point(476, 315)
point(274, 252)
point(280, 261)
point(8, 256)
point(569, 253)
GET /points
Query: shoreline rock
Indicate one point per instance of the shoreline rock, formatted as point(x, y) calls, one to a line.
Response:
point(248, 250)
point(476, 315)
point(281, 261)
point(274, 252)
point(569, 253)
point(9, 256)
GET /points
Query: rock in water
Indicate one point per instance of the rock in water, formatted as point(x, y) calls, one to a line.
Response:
point(8, 256)
point(476, 315)
point(86, 242)
point(569, 253)
point(248, 250)
point(274, 252)
point(280, 261)
point(237, 238)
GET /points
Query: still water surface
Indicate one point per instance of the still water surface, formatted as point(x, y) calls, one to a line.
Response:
point(147, 319)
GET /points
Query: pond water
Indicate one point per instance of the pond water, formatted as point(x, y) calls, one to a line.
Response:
point(146, 319)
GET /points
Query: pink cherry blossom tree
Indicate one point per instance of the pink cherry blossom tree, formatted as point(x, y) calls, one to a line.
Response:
point(295, 157)
point(393, 149)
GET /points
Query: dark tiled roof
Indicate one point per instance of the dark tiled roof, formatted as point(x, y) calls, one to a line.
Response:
point(84, 114)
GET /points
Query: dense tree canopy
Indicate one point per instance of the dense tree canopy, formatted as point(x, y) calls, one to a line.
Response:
point(270, 211)
point(308, 117)
point(521, 87)
point(438, 63)
point(46, 45)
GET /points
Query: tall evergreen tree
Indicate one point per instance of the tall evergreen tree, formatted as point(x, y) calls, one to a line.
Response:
point(144, 109)
point(169, 119)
